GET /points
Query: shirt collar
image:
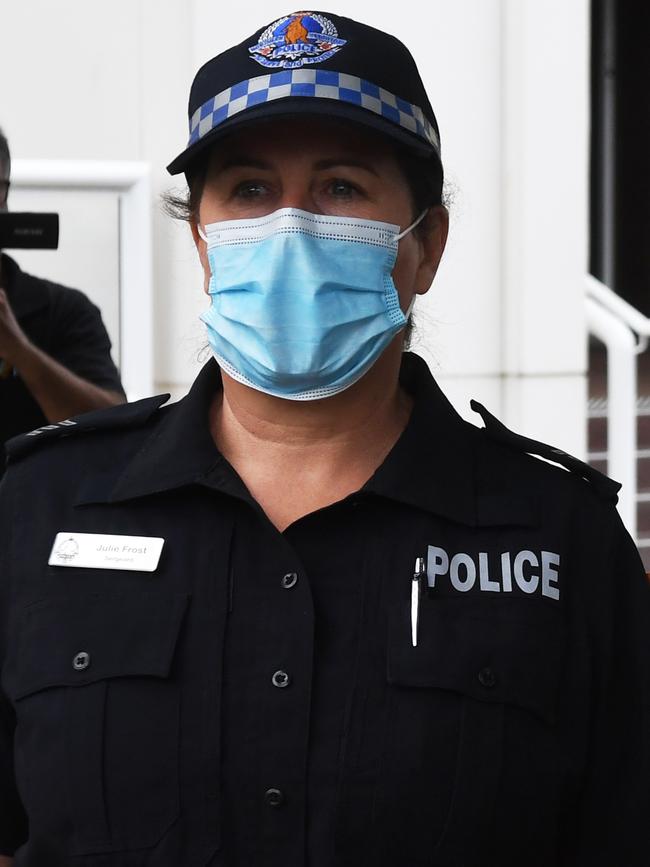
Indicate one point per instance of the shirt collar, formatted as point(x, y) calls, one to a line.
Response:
point(432, 465)
point(180, 451)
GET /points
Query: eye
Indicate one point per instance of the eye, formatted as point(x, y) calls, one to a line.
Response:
point(250, 190)
point(342, 189)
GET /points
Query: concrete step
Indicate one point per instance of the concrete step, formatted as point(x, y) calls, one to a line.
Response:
point(597, 406)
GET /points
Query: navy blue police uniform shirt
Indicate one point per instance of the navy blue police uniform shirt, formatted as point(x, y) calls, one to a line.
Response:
point(67, 326)
point(258, 700)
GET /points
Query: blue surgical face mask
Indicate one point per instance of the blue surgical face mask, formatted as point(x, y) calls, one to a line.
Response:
point(302, 305)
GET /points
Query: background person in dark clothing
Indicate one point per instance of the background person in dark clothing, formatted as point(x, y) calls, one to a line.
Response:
point(55, 356)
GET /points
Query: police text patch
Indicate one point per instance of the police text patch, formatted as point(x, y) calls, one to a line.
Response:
point(530, 572)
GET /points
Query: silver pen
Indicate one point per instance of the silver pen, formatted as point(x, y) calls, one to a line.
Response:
point(420, 569)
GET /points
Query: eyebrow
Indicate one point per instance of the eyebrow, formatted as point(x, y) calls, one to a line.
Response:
point(331, 163)
point(242, 163)
point(245, 162)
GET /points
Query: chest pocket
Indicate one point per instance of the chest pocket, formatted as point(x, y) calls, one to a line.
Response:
point(478, 690)
point(97, 707)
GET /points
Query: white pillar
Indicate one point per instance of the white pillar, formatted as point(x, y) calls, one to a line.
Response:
point(545, 217)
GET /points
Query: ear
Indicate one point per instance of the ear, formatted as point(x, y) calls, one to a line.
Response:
point(202, 250)
point(433, 239)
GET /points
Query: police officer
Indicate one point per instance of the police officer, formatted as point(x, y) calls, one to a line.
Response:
point(55, 358)
point(307, 615)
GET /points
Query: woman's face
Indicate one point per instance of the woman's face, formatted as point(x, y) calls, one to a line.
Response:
point(324, 167)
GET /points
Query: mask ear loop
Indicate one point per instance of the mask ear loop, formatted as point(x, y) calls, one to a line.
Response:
point(412, 226)
point(409, 309)
point(202, 234)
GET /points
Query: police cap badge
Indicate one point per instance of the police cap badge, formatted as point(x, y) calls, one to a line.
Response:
point(312, 63)
point(296, 40)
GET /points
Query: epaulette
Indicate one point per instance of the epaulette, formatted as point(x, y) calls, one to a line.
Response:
point(125, 415)
point(604, 486)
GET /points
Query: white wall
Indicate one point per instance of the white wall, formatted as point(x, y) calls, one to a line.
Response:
point(509, 82)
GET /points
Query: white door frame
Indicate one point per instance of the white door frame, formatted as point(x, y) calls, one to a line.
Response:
point(132, 183)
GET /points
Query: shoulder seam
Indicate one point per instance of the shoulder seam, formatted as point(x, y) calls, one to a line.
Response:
point(122, 416)
point(605, 487)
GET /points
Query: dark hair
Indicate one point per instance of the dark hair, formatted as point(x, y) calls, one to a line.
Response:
point(5, 156)
point(425, 180)
point(185, 206)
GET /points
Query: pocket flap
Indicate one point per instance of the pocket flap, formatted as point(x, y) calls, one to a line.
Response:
point(506, 651)
point(76, 641)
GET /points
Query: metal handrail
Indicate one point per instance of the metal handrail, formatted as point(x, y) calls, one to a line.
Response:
point(625, 331)
point(621, 309)
point(620, 342)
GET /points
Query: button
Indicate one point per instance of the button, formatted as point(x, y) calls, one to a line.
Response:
point(274, 797)
point(280, 679)
point(81, 661)
point(487, 678)
point(289, 580)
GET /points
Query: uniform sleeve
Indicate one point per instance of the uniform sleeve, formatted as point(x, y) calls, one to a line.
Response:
point(13, 821)
point(613, 814)
point(80, 341)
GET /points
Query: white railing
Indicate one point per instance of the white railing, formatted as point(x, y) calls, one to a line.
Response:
point(131, 182)
point(625, 332)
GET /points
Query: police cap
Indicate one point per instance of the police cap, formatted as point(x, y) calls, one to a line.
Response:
point(312, 63)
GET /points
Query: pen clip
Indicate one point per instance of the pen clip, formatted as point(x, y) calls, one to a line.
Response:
point(420, 570)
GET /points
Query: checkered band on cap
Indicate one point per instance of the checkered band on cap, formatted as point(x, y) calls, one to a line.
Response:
point(320, 83)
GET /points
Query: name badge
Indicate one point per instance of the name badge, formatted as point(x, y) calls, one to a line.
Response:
point(102, 551)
